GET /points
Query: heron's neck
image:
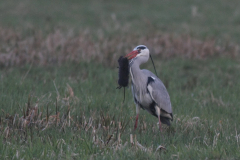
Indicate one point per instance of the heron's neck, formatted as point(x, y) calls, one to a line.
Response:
point(138, 80)
point(136, 72)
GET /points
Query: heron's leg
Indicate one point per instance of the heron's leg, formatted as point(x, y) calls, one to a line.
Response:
point(137, 111)
point(160, 124)
point(158, 112)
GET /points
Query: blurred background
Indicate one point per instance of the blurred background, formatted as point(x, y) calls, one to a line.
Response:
point(88, 29)
point(203, 19)
point(58, 78)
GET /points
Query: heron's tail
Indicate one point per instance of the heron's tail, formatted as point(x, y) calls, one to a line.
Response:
point(165, 120)
point(166, 117)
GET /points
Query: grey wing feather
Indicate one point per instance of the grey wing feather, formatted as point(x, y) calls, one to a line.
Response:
point(159, 92)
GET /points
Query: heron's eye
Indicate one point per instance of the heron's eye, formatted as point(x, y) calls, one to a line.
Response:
point(139, 51)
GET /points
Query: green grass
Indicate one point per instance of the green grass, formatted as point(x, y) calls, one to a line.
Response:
point(215, 19)
point(204, 97)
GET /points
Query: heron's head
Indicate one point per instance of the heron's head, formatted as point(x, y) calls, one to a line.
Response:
point(141, 52)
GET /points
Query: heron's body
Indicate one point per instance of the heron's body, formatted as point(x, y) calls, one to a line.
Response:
point(148, 90)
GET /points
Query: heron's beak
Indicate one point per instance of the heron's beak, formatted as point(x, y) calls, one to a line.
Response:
point(132, 54)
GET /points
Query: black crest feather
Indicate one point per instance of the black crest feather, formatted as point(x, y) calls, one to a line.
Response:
point(123, 73)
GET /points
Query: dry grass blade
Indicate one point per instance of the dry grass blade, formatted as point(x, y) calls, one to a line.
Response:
point(141, 146)
point(160, 147)
point(109, 138)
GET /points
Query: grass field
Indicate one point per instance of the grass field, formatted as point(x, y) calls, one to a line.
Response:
point(58, 79)
point(218, 18)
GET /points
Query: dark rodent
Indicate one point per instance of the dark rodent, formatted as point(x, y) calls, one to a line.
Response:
point(123, 72)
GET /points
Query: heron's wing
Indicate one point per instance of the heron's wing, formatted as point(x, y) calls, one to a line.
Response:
point(158, 92)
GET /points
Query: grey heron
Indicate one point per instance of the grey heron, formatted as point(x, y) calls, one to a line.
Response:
point(148, 90)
